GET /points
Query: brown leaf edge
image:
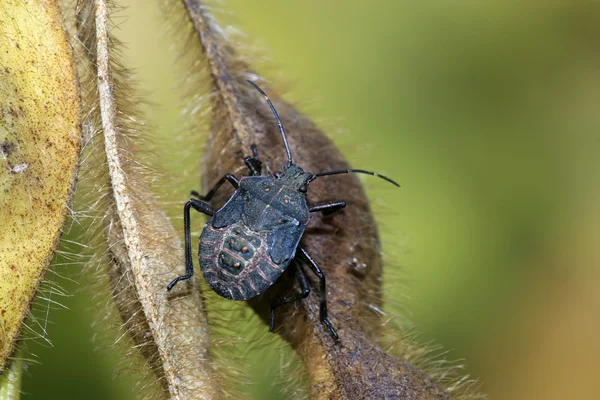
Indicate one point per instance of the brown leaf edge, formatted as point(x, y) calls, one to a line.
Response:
point(142, 248)
point(358, 368)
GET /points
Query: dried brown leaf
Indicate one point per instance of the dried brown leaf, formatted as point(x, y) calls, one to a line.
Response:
point(357, 368)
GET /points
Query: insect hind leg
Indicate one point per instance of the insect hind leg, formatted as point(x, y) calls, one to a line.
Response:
point(204, 208)
point(323, 289)
point(305, 291)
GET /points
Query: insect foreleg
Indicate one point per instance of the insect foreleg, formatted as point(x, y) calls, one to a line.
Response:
point(199, 206)
point(323, 286)
point(299, 296)
point(328, 208)
point(253, 163)
point(229, 177)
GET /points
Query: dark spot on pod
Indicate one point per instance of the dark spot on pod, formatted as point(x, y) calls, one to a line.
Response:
point(6, 148)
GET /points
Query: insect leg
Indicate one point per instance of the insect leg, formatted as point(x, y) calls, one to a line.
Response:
point(299, 296)
point(229, 177)
point(323, 309)
point(189, 266)
point(328, 208)
point(253, 163)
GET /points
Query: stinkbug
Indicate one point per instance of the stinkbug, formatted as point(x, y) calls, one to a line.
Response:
point(249, 242)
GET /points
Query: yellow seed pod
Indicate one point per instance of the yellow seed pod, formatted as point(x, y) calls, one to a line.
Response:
point(40, 134)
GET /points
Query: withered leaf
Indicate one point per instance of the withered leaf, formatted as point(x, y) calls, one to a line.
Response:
point(357, 368)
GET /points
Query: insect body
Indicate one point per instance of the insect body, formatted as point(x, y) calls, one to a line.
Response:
point(250, 241)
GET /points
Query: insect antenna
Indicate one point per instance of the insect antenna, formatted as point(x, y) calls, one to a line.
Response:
point(359, 171)
point(287, 147)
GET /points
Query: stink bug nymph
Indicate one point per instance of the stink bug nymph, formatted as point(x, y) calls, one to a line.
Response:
point(249, 242)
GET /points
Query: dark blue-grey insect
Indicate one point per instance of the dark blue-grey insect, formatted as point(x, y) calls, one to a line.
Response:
point(248, 243)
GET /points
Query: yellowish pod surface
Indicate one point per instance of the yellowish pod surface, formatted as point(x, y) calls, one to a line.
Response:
point(40, 134)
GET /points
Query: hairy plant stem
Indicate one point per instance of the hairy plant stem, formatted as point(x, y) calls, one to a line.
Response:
point(10, 381)
point(143, 248)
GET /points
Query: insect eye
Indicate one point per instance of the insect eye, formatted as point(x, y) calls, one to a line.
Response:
point(302, 189)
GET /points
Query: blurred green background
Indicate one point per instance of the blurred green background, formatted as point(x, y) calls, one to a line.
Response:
point(486, 112)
